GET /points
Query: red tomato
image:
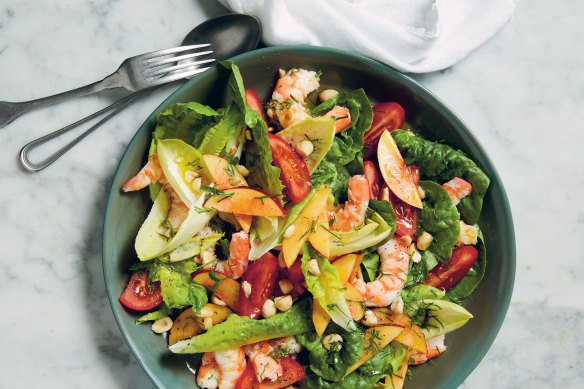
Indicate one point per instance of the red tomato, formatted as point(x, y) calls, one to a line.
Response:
point(294, 175)
point(447, 274)
point(293, 372)
point(254, 102)
point(263, 276)
point(296, 277)
point(294, 272)
point(386, 116)
point(140, 296)
point(373, 177)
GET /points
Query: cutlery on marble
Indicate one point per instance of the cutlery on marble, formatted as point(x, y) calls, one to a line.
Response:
point(230, 35)
point(134, 74)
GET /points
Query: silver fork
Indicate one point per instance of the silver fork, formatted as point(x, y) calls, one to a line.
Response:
point(134, 74)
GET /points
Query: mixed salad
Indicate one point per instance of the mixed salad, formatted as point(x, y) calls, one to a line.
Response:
point(301, 243)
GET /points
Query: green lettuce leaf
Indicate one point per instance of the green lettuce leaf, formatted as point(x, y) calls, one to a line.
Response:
point(421, 292)
point(151, 243)
point(231, 127)
point(178, 289)
point(347, 146)
point(333, 176)
point(385, 210)
point(184, 121)
point(438, 317)
point(383, 363)
point(267, 233)
point(258, 156)
point(439, 217)
point(349, 142)
point(176, 159)
point(320, 131)
point(328, 364)
point(238, 331)
point(370, 265)
point(443, 163)
point(153, 316)
point(327, 289)
point(373, 232)
point(473, 278)
point(192, 247)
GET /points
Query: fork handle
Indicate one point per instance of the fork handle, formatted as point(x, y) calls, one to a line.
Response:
point(116, 107)
point(10, 111)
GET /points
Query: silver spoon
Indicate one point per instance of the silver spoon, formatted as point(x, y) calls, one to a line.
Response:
point(229, 35)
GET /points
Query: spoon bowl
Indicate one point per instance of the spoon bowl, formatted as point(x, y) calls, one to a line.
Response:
point(229, 35)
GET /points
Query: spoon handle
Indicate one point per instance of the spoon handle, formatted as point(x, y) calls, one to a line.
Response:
point(116, 107)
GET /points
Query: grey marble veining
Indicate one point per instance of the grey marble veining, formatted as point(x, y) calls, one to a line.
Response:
point(522, 93)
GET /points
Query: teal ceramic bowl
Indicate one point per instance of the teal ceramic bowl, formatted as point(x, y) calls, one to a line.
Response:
point(426, 113)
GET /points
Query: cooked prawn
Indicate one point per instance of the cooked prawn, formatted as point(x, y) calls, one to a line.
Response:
point(262, 356)
point(152, 173)
point(221, 369)
point(289, 94)
point(149, 174)
point(342, 117)
point(236, 264)
point(352, 214)
point(434, 347)
point(393, 269)
point(457, 189)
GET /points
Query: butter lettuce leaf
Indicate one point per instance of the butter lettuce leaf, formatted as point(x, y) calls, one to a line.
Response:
point(229, 130)
point(258, 157)
point(176, 159)
point(184, 121)
point(347, 146)
point(267, 233)
point(328, 364)
point(473, 278)
point(385, 210)
point(319, 131)
point(349, 142)
point(439, 217)
point(421, 292)
point(238, 331)
point(383, 363)
point(327, 289)
point(151, 242)
point(152, 316)
point(372, 233)
point(443, 163)
point(438, 317)
point(192, 247)
point(178, 290)
point(370, 265)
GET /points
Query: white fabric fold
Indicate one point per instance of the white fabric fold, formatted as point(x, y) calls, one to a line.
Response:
point(414, 36)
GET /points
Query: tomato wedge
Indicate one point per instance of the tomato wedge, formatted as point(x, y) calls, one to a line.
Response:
point(139, 295)
point(296, 277)
point(254, 102)
point(373, 177)
point(293, 372)
point(447, 274)
point(263, 276)
point(386, 116)
point(294, 172)
point(406, 215)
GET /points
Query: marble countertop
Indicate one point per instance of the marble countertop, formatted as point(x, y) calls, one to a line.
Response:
point(522, 93)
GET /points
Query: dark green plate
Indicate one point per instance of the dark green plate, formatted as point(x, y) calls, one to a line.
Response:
point(125, 212)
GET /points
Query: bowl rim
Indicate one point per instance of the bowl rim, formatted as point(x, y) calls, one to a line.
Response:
point(441, 108)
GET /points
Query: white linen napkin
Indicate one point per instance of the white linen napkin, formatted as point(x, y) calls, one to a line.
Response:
point(414, 36)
